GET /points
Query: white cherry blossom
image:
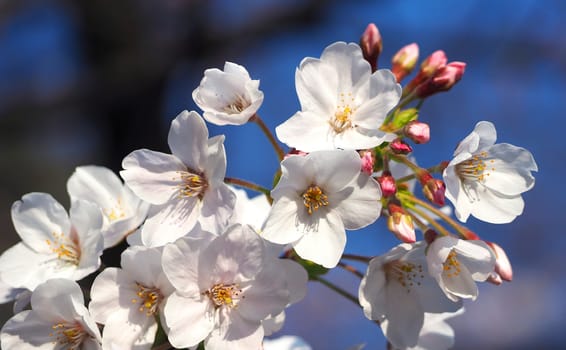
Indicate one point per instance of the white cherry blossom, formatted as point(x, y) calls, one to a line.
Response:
point(184, 187)
point(54, 244)
point(228, 97)
point(123, 212)
point(436, 333)
point(140, 281)
point(57, 320)
point(318, 197)
point(342, 103)
point(397, 291)
point(486, 180)
point(225, 289)
point(456, 264)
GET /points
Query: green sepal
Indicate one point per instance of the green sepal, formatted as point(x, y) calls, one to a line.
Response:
point(404, 117)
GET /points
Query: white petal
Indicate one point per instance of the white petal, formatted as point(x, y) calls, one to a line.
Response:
point(189, 319)
point(96, 184)
point(106, 295)
point(22, 267)
point(129, 330)
point(167, 223)
point(334, 170)
point(215, 162)
point(371, 292)
point(349, 63)
point(187, 139)
point(143, 265)
point(487, 134)
point(281, 226)
point(383, 95)
point(478, 258)
point(307, 132)
point(460, 285)
point(26, 330)
point(235, 333)
point(180, 264)
point(296, 277)
point(217, 208)
point(404, 318)
point(58, 299)
point(317, 85)
point(359, 204)
point(494, 208)
point(153, 176)
point(37, 217)
point(510, 171)
point(325, 243)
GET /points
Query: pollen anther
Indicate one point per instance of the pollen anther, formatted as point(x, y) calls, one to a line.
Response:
point(314, 198)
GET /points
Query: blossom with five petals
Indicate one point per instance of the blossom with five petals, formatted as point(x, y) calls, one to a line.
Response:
point(343, 104)
point(228, 97)
point(486, 180)
point(318, 197)
point(184, 187)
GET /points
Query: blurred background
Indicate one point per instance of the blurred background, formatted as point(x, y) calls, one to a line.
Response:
point(87, 82)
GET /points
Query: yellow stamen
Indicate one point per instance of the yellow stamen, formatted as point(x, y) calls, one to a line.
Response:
point(407, 274)
point(149, 299)
point(68, 334)
point(221, 294)
point(314, 198)
point(342, 117)
point(67, 248)
point(451, 266)
point(194, 185)
point(475, 168)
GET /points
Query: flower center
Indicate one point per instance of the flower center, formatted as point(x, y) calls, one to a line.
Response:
point(194, 185)
point(342, 117)
point(116, 212)
point(405, 273)
point(451, 266)
point(314, 198)
point(221, 294)
point(66, 248)
point(149, 299)
point(68, 334)
point(476, 168)
point(237, 106)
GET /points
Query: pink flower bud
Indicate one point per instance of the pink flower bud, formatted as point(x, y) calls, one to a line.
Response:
point(404, 61)
point(433, 189)
point(295, 152)
point(430, 235)
point(502, 264)
point(417, 131)
point(494, 279)
point(387, 184)
point(399, 146)
point(443, 80)
point(367, 162)
point(401, 224)
point(432, 64)
point(372, 45)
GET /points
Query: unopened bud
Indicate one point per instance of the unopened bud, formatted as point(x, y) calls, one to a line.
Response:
point(367, 162)
point(399, 146)
point(404, 61)
point(494, 279)
point(502, 264)
point(372, 45)
point(433, 189)
point(443, 80)
point(417, 131)
point(295, 152)
point(401, 224)
point(387, 184)
point(432, 64)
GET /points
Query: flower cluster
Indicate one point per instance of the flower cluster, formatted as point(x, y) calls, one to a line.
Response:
point(206, 266)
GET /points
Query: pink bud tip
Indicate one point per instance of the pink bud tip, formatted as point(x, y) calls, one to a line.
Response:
point(502, 264)
point(399, 146)
point(434, 191)
point(387, 184)
point(371, 44)
point(404, 61)
point(401, 224)
point(295, 152)
point(367, 162)
point(417, 131)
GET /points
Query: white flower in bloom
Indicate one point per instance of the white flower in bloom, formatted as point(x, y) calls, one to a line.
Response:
point(127, 300)
point(225, 289)
point(122, 211)
point(286, 342)
point(317, 198)
point(397, 291)
point(53, 244)
point(436, 333)
point(456, 264)
point(185, 186)
point(20, 296)
point(228, 97)
point(342, 103)
point(486, 179)
point(58, 320)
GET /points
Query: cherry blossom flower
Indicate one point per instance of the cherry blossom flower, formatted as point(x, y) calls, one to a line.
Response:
point(228, 97)
point(54, 244)
point(397, 291)
point(140, 281)
point(317, 198)
point(456, 264)
point(343, 104)
point(486, 180)
point(58, 319)
point(250, 211)
point(436, 333)
point(122, 211)
point(225, 289)
point(185, 186)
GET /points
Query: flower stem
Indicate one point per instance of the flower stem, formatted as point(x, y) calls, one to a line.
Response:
point(439, 168)
point(351, 269)
point(337, 289)
point(249, 185)
point(456, 226)
point(441, 230)
point(280, 153)
point(354, 257)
